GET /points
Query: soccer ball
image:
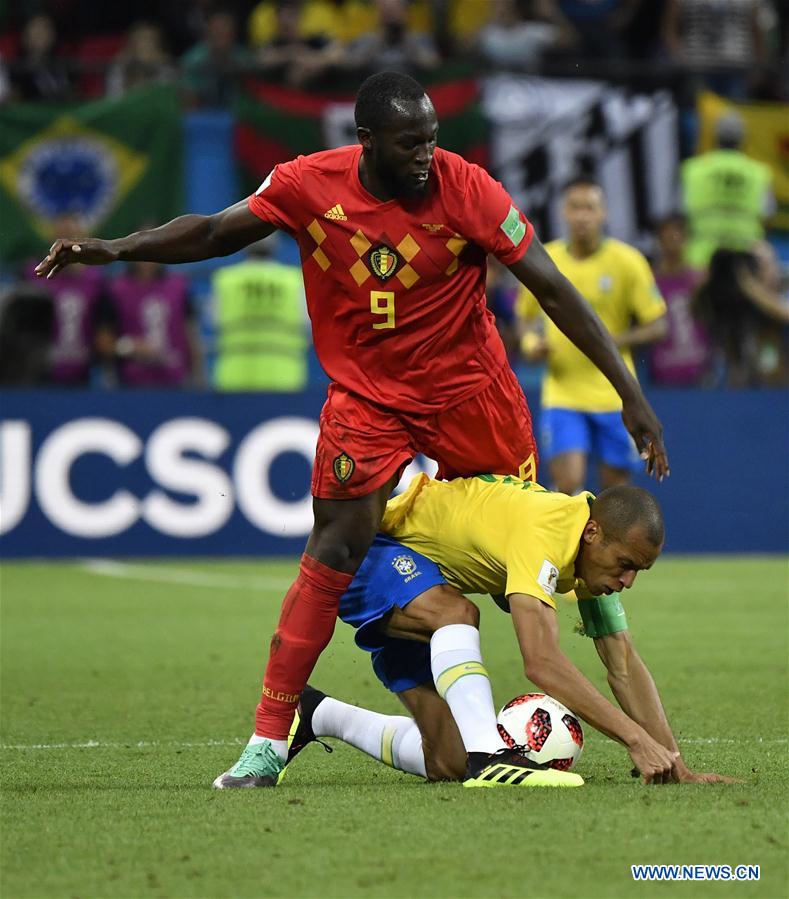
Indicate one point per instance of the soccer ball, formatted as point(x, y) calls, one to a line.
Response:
point(547, 728)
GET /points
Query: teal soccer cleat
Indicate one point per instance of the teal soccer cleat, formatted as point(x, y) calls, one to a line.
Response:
point(259, 766)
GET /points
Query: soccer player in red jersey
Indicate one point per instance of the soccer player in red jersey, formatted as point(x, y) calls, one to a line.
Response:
point(393, 237)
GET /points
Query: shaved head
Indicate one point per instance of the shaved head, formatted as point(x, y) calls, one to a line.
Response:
point(619, 509)
point(383, 95)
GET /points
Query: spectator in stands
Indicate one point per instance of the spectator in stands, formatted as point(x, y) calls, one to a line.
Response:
point(298, 60)
point(766, 287)
point(726, 195)
point(519, 34)
point(79, 301)
point(153, 333)
point(393, 46)
point(746, 320)
point(456, 24)
point(261, 324)
point(600, 26)
point(39, 73)
point(27, 328)
point(766, 291)
point(142, 60)
point(340, 21)
point(720, 41)
point(212, 68)
point(682, 358)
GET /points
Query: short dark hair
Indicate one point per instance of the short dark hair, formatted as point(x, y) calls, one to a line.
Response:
point(377, 95)
point(618, 509)
point(582, 180)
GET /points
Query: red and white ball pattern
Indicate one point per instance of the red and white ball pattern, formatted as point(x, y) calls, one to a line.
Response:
point(549, 730)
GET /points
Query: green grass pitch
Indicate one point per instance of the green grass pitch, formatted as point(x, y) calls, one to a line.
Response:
point(126, 689)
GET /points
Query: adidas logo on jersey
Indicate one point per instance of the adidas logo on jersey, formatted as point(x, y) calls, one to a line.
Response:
point(336, 213)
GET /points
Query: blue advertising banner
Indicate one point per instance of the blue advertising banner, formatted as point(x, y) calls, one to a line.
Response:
point(171, 473)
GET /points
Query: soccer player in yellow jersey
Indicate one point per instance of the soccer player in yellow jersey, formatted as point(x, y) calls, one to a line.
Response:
point(581, 414)
point(516, 540)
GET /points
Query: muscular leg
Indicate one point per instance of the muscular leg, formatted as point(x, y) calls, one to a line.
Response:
point(343, 532)
point(427, 743)
point(392, 739)
point(451, 623)
point(442, 746)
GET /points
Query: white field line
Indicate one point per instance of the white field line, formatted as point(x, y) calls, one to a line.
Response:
point(175, 744)
point(139, 744)
point(189, 577)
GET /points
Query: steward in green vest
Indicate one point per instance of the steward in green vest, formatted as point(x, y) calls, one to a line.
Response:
point(725, 195)
point(261, 327)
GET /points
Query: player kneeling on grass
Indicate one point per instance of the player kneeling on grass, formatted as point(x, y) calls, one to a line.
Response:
point(512, 538)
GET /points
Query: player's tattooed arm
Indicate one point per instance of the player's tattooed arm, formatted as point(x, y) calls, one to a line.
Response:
point(581, 324)
point(188, 238)
point(634, 688)
point(549, 668)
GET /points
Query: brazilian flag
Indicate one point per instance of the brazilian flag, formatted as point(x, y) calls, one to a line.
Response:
point(114, 164)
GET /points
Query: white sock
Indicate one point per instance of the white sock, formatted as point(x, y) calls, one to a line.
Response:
point(280, 746)
point(392, 739)
point(461, 679)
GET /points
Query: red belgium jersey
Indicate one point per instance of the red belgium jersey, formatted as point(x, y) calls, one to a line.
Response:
point(396, 290)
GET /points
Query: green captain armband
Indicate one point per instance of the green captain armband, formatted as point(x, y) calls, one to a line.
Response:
point(602, 615)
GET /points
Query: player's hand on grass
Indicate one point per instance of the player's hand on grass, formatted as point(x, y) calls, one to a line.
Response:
point(69, 250)
point(656, 764)
point(686, 776)
point(646, 430)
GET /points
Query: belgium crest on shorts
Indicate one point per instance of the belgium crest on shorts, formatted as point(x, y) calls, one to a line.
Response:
point(383, 262)
point(343, 467)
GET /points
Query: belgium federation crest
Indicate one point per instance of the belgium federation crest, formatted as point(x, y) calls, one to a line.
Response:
point(343, 467)
point(383, 262)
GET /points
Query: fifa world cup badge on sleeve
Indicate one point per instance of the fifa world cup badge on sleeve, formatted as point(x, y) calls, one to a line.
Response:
point(513, 227)
point(343, 467)
point(548, 577)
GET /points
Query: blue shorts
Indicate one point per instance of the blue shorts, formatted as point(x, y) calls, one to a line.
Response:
point(598, 434)
point(391, 576)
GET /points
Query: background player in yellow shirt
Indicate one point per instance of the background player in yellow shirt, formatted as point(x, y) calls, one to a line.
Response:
point(504, 536)
point(581, 412)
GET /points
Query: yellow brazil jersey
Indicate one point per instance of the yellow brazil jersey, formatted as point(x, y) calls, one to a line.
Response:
point(617, 283)
point(493, 534)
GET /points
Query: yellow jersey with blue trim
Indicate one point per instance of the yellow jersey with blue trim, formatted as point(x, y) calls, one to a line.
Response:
point(618, 284)
point(492, 533)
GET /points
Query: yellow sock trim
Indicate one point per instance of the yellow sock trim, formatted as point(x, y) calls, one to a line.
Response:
point(445, 680)
point(387, 741)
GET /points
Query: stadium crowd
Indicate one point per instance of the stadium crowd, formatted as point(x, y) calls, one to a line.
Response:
point(78, 49)
point(727, 299)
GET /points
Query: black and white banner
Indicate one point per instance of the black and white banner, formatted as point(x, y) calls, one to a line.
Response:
point(546, 131)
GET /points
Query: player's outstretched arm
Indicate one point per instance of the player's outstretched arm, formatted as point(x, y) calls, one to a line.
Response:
point(549, 668)
point(188, 238)
point(579, 322)
point(637, 694)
